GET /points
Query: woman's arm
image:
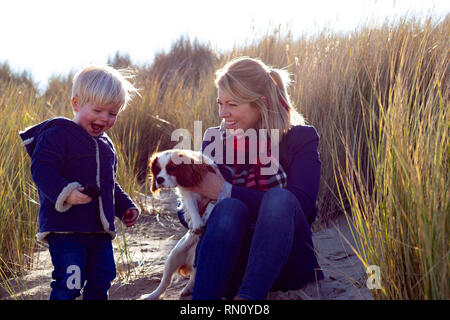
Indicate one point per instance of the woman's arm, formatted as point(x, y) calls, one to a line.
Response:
point(303, 173)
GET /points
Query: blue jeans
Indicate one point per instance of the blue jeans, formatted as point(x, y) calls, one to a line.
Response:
point(81, 260)
point(235, 259)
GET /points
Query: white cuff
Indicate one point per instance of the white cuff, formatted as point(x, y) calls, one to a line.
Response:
point(61, 204)
point(27, 141)
point(225, 191)
point(208, 210)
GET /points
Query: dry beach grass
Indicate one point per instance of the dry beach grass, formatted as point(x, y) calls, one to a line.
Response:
point(379, 98)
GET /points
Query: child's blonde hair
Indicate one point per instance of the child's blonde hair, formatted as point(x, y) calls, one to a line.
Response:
point(249, 80)
point(102, 85)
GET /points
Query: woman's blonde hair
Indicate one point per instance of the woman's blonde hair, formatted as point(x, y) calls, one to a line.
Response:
point(249, 80)
point(102, 85)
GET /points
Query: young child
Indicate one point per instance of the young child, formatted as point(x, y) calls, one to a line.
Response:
point(69, 157)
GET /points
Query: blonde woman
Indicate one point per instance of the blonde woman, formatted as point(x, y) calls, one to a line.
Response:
point(258, 237)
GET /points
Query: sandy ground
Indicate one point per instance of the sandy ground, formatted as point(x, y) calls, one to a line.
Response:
point(157, 231)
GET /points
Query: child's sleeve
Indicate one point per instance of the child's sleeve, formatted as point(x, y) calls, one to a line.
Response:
point(47, 163)
point(122, 202)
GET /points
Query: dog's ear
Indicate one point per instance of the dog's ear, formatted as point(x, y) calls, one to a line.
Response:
point(154, 170)
point(154, 188)
point(185, 175)
point(189, 175)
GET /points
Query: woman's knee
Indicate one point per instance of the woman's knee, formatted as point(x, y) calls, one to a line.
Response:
point(279, 201)
point(229, 214)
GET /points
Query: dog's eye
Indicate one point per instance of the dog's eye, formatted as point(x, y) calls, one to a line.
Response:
point(171, 170)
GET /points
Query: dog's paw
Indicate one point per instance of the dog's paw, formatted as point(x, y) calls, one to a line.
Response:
point(198, 228)
point(187, 217)
point(149, 296)
point(187, 291)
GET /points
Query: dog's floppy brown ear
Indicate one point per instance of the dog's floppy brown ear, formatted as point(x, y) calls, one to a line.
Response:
point(154, 170)
point(185, 175)
point(154, 188)
point(191, 174)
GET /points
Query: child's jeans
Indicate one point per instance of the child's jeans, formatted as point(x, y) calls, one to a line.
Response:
point(278, 255)
point(78, 258)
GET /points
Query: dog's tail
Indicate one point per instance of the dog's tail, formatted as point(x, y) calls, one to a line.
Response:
point(184, 270)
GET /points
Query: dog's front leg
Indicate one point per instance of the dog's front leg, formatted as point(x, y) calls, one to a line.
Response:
point(169, 269)
point(174, 261)
point(196, 223)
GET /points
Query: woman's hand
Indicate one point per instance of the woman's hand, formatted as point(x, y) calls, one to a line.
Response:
point(77, 197)
point(210, 186)
point(202, 204)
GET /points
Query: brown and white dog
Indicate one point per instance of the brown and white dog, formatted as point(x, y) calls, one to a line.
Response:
point(181, 169)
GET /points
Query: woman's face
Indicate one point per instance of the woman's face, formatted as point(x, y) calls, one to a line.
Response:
point(236, 115)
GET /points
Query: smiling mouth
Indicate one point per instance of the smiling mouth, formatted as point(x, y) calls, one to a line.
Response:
point(97, 128)
point(230, 123)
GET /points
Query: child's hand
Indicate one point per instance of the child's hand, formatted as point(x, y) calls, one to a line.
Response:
point(76, 197)
point(130, 217)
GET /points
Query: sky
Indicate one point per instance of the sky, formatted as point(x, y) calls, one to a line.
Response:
point(55, 37)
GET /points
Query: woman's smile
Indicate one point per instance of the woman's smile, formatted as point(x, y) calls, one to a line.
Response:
point(230, 124)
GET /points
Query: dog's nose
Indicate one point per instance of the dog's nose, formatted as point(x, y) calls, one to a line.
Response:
point(160, 180)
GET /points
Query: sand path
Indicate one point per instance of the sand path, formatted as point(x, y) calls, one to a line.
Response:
point(157, 231)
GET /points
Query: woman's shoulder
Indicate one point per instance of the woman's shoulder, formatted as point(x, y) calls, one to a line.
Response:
point(211, 133)
point(303, 130)
point(296, 141)
point(301, 134)
point(212, 130)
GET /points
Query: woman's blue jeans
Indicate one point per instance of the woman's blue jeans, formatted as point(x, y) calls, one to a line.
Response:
point(235, 259)
point(78, 258)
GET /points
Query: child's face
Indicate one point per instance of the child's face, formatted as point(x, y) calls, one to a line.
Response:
point(95, 119)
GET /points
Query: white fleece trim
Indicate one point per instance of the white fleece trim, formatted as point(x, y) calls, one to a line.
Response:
point(61, 204)
point(208, 210)
point(27, 141)
point(112, 234)
point(103, 219)
point(42, 237)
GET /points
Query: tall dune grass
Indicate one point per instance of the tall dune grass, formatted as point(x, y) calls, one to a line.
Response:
point(378, 97)
point(395, 180)
point(18, 200)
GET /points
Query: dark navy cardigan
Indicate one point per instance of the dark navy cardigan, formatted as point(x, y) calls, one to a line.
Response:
point(65, 157)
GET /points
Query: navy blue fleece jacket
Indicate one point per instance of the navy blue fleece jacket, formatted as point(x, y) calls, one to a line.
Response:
point(64, 157)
